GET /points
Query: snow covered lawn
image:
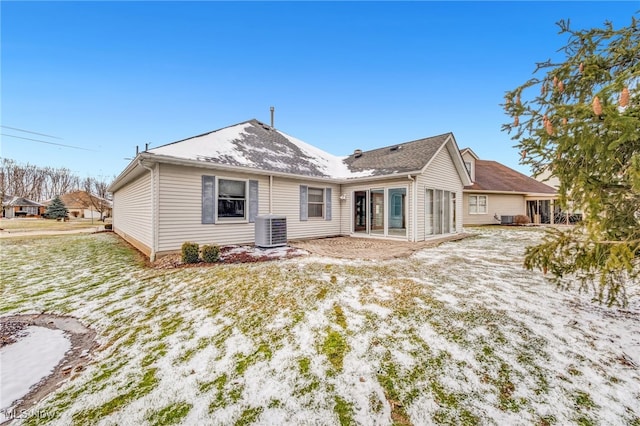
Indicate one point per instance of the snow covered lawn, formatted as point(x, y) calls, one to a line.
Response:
point(457, 334)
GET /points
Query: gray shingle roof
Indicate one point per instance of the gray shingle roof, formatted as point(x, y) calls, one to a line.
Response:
point(401, 158)
point(255, 145)
point(9, 200)
point(252, 144)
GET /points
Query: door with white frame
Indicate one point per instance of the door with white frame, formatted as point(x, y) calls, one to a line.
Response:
point(439, 215)
point(380, 211)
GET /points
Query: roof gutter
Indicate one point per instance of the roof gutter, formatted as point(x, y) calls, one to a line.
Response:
point(243, 169)
point(524, 194)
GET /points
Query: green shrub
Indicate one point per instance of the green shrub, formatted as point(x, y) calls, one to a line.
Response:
point(190, 252)
point(210, 253)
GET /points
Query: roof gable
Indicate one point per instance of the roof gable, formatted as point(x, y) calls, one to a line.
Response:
point(9, 200)
point(402, 158)
point(470, 152)
point(493, 176)
point(253, 144)
point(81, 200)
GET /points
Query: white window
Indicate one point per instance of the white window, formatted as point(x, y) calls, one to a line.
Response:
point(467, 165)
point(316, 203)
point(232, 199)
point(477, 204)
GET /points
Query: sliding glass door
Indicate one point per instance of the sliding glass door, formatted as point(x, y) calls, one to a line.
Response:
point(380, 211)
point(439, 212)
point(377, 211)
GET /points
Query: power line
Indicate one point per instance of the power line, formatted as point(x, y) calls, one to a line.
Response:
point(28, 131)
point(49, 143)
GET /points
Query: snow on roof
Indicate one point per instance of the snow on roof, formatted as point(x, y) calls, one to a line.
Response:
point(256, 145)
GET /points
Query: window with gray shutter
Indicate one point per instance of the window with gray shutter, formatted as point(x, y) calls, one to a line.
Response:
point(253, 200)
point(304, 198)
point(315, 203)
point(208, 199)
point(327, 196)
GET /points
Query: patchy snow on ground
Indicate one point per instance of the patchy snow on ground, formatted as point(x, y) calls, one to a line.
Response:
point(27, 361)
point(455, 334)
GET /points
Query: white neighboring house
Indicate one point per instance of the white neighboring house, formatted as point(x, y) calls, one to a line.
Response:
point(499, 193)
point(210, 189)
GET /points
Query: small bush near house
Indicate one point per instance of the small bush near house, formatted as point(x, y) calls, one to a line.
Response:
point(190, 252)
point(521, 220)
point(210, 253)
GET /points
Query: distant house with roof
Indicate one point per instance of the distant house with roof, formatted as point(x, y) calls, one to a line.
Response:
point(498, 194)
point(82, 204)
point(211, 188)
point(21, 207)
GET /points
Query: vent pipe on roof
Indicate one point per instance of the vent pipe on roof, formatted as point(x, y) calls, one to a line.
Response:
point(272, 111)
point(357, 153)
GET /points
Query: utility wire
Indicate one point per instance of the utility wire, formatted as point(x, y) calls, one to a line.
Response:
point(28, 131)
point(49, 143)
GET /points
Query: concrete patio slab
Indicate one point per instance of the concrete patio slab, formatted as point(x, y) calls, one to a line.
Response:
point(369, 248)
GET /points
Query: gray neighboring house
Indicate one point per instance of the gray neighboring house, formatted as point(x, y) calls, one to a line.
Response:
point(210, 189)
point(21, 207)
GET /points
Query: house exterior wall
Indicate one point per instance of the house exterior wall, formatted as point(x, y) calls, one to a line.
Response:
point(132, 218)
point(440, 174)
point(180, 209)
point(468, 158)
point(286, 201)
point(497, 204)
point(347, 205)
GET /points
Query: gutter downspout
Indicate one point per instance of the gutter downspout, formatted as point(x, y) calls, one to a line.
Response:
point(154, 231)
point(414, 202)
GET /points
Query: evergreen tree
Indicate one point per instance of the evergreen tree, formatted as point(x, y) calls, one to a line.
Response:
point(580, 120)
point(56, 209)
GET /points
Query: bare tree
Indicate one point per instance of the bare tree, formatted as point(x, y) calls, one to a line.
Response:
point(35, 183)
point(60, 181)
point(97, 194)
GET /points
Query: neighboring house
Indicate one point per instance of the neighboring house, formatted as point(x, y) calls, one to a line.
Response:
point(82, 204)
point(499, 193)
point(548, 179)
point(21, 207)
point(210, 189)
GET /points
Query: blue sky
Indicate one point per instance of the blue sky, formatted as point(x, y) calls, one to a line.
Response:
point(107, 76)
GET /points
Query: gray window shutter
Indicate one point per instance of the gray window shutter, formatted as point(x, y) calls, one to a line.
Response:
point(253, 200)
point(327, 203)
point(304, 202)
point(208, 199)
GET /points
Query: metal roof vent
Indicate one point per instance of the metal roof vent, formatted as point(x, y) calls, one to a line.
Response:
point(395, 148)
point(357, 153)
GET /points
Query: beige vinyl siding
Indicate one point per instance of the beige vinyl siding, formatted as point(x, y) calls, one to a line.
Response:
point(132, 212)
point(468, 158)
point(347, 213)
point(180, 209)
point(497, 204)
point(440, 174)
point(286, 201)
